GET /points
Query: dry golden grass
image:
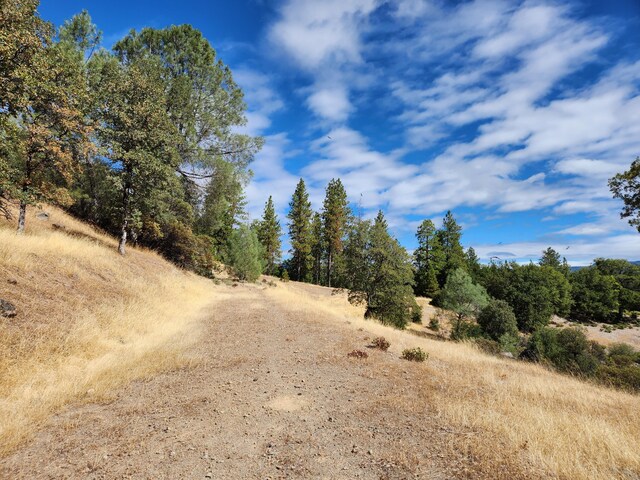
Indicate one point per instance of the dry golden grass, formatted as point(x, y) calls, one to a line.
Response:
point(564, 427)
point(88, 320)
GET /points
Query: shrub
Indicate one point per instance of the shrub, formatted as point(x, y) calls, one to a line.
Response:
point(177, 243)
point(358, 354)
point(568, 350)
point(285, 276)
point(497, 319)
point(434, 323)
point(381, 343)
point(622, 355)
point(625, 377)
point(488, 346)
point(415, 354)
point(464, 329)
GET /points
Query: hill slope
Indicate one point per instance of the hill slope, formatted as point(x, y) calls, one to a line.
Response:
point(270, 391)
point(88, 319)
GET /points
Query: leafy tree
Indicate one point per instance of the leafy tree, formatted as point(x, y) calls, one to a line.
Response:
point(595, 296)
point(269, 232)
point(449, 236)
point(379, 273)
point(627, 275)
point(317, 249)
point(535, 293)
point(204, 103)
point(626, 187)
point(23, 38)
point(135, 133)
point(465, 298)
point(497, 320)
point(43, 89)
point(300, 233)
point(334, 216)
point(428, 260)
point(245, 253)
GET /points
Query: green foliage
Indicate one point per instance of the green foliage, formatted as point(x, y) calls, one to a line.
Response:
point(449, 237)
point(414, 354)
point(551, 258)
point(203, 101)
point(335, 213)
point(465, 299)
point(285, 276)
point(269, 232)
point(568, 350)
point(245, 254)
point(498, 320)
point(42, 126)
point(224, 205)
point(472, 263)
point(428, 260)
point(534, 293)
point(595, 296)
point(626, 187)
point(135, 132)
point(434, 323)
point(300, 233)
point(379, 273)
point(462, 296)
point(317, 249)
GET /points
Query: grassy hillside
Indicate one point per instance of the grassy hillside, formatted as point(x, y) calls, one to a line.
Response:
point(88, 319)
point(565, 427)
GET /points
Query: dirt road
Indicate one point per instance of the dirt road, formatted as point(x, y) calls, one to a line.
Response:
point(271, 394)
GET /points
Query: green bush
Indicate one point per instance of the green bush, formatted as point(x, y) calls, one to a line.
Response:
point(285, 276)
point(415, 354)
point(434, 323)
point(625, 377)
point(465, 329)
point(497, 320)
point(568, 350)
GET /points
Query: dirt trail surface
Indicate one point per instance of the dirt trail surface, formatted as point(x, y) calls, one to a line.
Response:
point(271, 394)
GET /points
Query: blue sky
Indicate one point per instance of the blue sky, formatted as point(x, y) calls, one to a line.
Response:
point(513, 114)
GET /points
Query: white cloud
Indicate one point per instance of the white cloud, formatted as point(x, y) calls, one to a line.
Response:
point(261, 98)
point(331, 103)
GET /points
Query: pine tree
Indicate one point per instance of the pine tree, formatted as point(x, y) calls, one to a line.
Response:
point(300, 233)
point(380, 274)
point(245, 253)
point(334, 216)
point(269, 232)
point(449, 236)
point(428, 260)
point(318, 248)
point(473, 263)
point(223, 207)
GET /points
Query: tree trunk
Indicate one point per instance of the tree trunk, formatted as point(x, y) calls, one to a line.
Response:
point(22, 217)
point(126, 201)
point(329, 266)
